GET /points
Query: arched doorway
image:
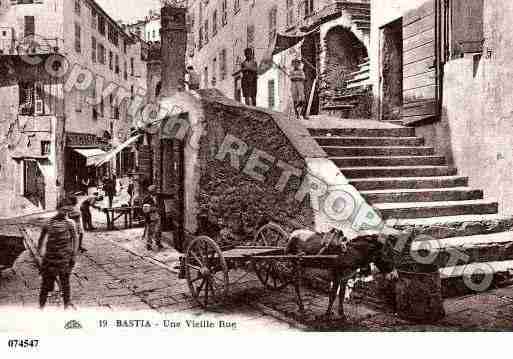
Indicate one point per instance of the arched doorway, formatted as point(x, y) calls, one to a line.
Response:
point(344, 54)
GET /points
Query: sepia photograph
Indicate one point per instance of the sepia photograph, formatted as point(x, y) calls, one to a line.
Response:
point(255, 166)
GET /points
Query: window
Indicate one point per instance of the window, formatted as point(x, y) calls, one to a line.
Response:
point(200, 37)
point(205, 77)
point(30, 25)
point(158, 89)
point(113, 35)
point(125, 72)
point(224, 12)
point(214, 23)
point(77, 7)
point(270, 94)
point(307, 7)
point(94, 19)
point(102, 108)
point(45, 148)
point(214, 70)
point(153, 35)
point(132, 67)
point(222, 63)
point(101, 25)
point(251, 35)
point(205, 29)
point(93, 49)
point(132, 92)
point(26, 98)
point(236, 6)
point(273, 13)
point(111, 60)
point(101, 54)
point(291, 18)
point(78, 47)
point(116, 64)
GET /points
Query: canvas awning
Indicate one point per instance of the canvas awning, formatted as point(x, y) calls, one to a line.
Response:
point(92, 155)
point(284, 42)
point(109, 156)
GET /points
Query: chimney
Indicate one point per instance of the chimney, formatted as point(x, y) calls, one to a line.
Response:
point(173, 50)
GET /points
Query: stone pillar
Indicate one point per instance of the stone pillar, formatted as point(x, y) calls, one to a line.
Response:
point(174, 46)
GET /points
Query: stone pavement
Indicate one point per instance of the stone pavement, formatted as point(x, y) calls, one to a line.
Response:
point(119, 274)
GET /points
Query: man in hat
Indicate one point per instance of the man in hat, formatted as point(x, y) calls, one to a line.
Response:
point(59, 255)
point(249, 70)
point(153, 225)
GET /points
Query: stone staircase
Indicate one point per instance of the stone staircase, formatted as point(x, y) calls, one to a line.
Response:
point(413, 188)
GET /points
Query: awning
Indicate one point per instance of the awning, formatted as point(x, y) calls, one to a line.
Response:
point(109, 156)
point(284, 42)
point(92, 155)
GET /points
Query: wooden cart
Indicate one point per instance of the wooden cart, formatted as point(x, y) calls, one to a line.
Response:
point(207, 267)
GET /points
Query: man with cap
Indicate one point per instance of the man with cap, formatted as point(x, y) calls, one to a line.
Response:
point(59, 255)
point(153, 227)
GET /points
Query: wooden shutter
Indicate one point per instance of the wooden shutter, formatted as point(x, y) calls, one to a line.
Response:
point(30, 25)
point(421, 65)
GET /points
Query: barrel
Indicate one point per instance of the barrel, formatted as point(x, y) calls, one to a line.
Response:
point(419, 294)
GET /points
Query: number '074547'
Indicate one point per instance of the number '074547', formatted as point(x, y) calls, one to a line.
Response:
point(23, 343)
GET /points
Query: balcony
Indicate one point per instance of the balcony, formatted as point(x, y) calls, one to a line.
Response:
point(30, 45)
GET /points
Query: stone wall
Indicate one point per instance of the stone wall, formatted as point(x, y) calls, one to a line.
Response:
point(230, 193)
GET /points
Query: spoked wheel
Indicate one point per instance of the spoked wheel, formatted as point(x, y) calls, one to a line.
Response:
point(206, 271)
point(273, 274)
point(271, 235)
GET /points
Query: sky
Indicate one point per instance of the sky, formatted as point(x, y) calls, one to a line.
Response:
point(128, 10)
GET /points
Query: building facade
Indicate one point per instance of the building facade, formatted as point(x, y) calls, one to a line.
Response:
point(221, 30)
point(442, 67)
point(74, 71)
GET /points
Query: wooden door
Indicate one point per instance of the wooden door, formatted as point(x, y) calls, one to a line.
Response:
point(422, 64)
point(173, 188)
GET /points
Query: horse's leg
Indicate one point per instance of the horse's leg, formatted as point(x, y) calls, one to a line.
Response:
point(333, 292)
point(341, 297)
point(297, 287)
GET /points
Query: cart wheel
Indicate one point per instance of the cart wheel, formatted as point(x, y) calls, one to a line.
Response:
point(206, 271)
point(273, 274)
point(271, 235)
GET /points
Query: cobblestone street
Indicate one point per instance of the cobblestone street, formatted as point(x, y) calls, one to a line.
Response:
point(118, 274)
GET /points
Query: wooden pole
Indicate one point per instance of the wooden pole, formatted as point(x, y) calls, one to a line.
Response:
point(312, 93)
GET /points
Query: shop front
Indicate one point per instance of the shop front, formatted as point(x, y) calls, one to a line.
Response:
point(83, 152)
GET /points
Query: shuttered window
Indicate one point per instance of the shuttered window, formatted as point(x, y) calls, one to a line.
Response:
point(466, 30)
point(30, 25)
point(271, 94)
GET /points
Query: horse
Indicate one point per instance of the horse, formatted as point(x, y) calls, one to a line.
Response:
point(353, 255)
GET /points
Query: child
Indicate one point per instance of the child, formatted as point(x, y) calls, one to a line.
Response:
point(298, 79)
point(249, 70)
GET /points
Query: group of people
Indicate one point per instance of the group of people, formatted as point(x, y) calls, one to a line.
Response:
point(249, 69)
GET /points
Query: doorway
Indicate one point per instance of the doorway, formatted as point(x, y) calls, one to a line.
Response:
point(391, 71)
point(172, 188)
point(34, 183)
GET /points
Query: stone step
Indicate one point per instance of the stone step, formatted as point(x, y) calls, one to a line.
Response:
point(368, 141)
point(454, 226)
point(434, 209)
point(378, 151)
point(361, 77)
point(408, 132)
point(398, 171)
point(385, 161)
point(459, 251)
point(369, 184)
point(422, 195)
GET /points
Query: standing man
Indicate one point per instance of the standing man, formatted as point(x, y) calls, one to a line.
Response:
point(153, 223)
point(192, 79)
point(85, 210)
point(297, 81)
point(109, 187)
point(249, 70)
point(130, 189)
point(59, 255)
